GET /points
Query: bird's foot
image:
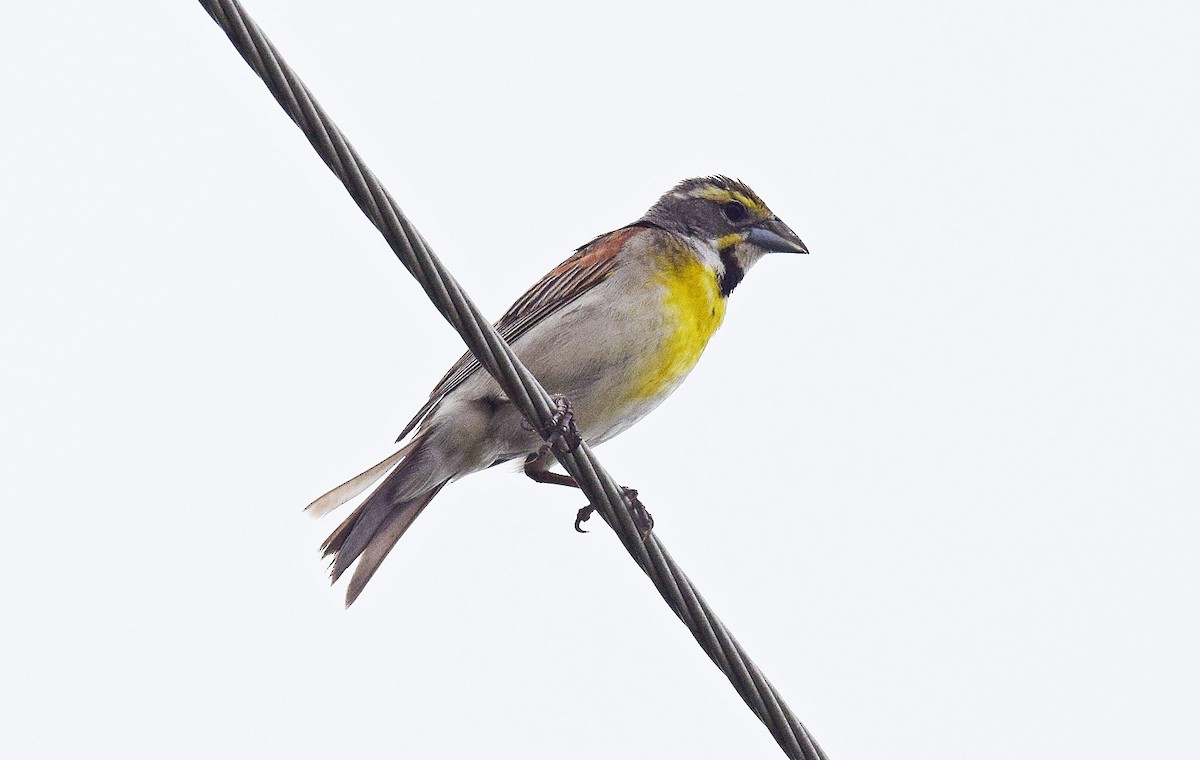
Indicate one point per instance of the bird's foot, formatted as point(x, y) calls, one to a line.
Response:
point(562, 434)
point(641, 516)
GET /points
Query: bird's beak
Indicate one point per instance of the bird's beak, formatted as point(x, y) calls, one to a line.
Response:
point(773, 236)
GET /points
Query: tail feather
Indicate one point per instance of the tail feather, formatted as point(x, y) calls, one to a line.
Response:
point(357, 484)
point(411, 478)
point(382, 541)
point(368, 534)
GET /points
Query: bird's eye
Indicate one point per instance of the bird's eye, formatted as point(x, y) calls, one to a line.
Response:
point(734, 211)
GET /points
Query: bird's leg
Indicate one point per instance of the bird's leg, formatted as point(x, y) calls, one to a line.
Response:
point(537, 467)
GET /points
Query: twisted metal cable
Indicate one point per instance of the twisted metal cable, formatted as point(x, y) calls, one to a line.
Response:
point(518, 384)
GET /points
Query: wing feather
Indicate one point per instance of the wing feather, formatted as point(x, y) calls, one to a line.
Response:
point(585, 269)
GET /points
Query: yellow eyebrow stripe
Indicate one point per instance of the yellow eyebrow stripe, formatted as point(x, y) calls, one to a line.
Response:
point(721, 195)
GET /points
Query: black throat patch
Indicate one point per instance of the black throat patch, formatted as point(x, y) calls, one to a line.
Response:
point(733, 271)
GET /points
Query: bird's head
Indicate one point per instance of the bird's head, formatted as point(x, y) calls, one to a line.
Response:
point(729, 216)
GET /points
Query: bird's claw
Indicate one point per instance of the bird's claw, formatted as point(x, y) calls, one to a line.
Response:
point(582, 516)
point(562, 434)
point(641, 516)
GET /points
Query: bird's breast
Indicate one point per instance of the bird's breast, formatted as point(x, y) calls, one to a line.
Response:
point(692, 310)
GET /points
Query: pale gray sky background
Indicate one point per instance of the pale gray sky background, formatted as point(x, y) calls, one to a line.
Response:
point(940, 477)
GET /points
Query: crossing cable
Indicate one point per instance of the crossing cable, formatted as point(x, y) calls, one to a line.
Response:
point(518, 383)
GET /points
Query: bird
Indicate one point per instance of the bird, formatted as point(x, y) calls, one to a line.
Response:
point(610, 332)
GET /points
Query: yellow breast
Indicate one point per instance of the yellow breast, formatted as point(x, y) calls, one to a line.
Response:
point(693, 309)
